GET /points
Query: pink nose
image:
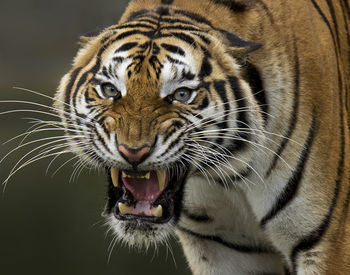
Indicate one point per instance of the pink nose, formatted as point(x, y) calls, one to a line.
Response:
point(134, 155)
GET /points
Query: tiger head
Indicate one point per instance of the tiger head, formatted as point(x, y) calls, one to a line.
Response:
point(155, 100)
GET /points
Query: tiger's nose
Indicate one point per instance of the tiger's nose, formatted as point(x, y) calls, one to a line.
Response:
point(134, 155)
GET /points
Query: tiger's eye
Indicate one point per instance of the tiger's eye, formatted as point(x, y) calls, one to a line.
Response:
point(182, 95)
point(110, 90)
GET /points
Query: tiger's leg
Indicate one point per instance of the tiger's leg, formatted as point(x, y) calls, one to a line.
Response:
point(219, 234)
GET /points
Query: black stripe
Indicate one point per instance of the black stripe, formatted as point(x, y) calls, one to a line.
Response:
point(238, 247)
point(219, 86)
point(293, 117)
point(324, 18)
point(105, 72)
point(172, 20)
point(167, 2)
point(194, 16)
point(118, 59)
point(83, 78)
point(137, 14)
point(334, 19)
point(289, 191)
point(148, 20)
point(133, 26)
point(179, 27)
point(346, 203)
point(242, 122)
point(177, 153)
point(252, 76)
point(173, 60)
point(267, 11)
point(206, 68)
point(68, 91)
point(202, 37)
point(340, 81)
point(130, 33)
point(126, 47)
point(175, 125)
point(187, 75)
point(101, 121)
point(347, 100)
point(196, 217)
point(184, 37)
point(237, 42)
point(315, 236)
point(173, 49)
point(204, 104)
point(232, 5)
point(347, 7)
point(173, 144)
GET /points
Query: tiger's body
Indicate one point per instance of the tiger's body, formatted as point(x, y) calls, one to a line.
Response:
point(261, 144)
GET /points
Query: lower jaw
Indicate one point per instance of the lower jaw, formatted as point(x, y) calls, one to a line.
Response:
point(138, 234)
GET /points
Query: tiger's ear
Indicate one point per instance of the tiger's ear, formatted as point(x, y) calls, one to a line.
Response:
point(85, 38)
point(239, 47)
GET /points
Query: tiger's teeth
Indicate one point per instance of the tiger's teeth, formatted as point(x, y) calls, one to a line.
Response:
point(161, 179)
point(147, 176)
point(125, 175)
point(157, 211)
point(124, 209)
point(115, 176)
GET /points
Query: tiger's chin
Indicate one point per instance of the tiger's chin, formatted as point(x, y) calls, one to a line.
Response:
point(139, 234)
point(143, 206)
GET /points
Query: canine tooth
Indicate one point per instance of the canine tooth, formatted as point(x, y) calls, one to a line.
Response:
point(161, 179)
point(124, 209)
point(124, 175)
point(115, 176)
point(157, 211)
point(147, 176)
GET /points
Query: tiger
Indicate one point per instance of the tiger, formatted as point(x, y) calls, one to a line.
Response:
point(225, 123)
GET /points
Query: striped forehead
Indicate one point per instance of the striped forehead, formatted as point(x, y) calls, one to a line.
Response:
point(172, 62)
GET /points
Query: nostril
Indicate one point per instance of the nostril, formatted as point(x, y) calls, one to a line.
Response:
point(134, 155)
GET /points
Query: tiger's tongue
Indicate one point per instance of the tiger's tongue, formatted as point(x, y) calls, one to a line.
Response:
point(147, 189)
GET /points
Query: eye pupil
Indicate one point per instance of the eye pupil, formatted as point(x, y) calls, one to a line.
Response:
point(110, 90)
point(182, 94)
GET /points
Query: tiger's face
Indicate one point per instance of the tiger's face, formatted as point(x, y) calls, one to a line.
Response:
point(154, 108)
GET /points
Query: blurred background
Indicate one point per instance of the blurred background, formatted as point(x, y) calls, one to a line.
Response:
point(49, 225)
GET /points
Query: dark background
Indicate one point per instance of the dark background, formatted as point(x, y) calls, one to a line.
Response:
point(49, 225)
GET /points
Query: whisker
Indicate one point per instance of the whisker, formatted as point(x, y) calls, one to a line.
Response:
point(54, 113)
point(43, 95)
point(255, 144)
point(229, 155)
point(224, 162)
point(55, 138)
point(220, 170)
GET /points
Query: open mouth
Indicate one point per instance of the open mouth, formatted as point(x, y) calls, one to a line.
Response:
point(146, 195)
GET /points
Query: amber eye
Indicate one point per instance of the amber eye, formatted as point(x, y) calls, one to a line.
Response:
point(182, 95)
point(110, 90)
